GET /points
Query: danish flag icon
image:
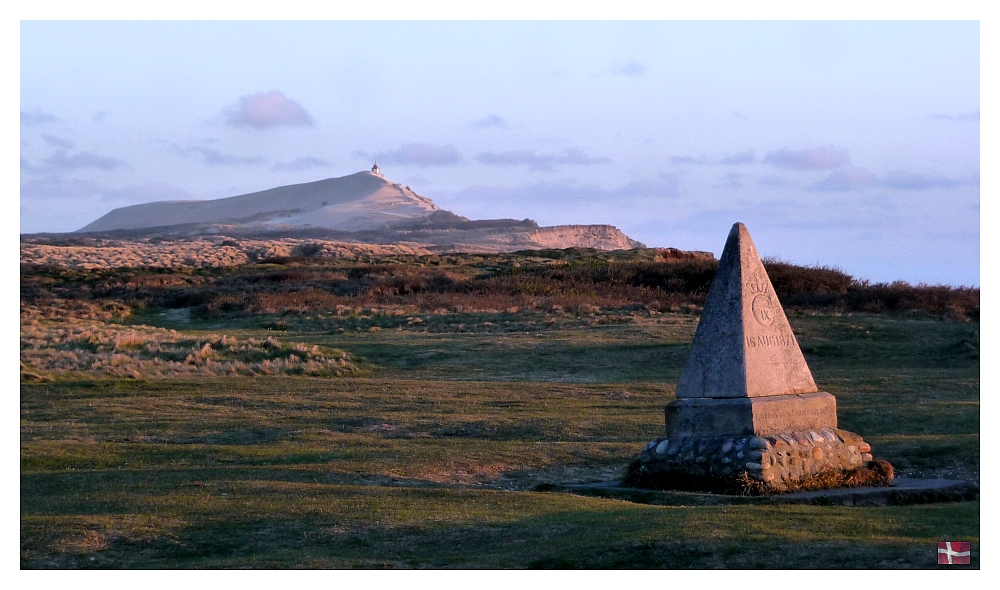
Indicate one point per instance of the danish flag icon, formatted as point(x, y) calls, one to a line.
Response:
point(951, 552)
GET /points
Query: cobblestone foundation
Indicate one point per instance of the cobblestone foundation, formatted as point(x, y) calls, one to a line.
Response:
point(777, 461)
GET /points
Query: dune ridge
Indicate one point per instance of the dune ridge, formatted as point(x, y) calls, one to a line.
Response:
point(355, 202)
point(363, 207)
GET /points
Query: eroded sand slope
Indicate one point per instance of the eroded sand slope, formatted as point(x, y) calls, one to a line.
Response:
point(350, 203)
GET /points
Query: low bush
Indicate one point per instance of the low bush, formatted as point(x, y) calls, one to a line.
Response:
point(574, 280)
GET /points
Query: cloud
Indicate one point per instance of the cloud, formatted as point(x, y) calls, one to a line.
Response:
point(973, 116)
point(746, 157)
point(37, 118)
point(62, 161)
point(847, 179)
point(736, 159)
point(628, 68)
point(56, 186)
point(264, 111)
point(734, 180)
point(302, 163)
point(688, 160)
point(212, 156)
point(489, 122)
point(822, 158)
point(917, 182)
point(418, 154)
point(571, 156)
point(542, 193)
point(99, 116)
point(57, 141)
point(29, 168)
point(855, 178)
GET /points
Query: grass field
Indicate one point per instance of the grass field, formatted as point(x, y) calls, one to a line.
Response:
point(428, 452)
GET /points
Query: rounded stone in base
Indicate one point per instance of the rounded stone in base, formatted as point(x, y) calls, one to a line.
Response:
point(788, 461)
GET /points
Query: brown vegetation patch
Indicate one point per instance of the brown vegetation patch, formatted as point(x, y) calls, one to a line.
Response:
point(335, 276)
point(142, 352)
point(197, 252)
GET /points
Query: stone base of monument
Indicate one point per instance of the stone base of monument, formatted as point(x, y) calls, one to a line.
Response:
point(751, 415)
point(816, 458)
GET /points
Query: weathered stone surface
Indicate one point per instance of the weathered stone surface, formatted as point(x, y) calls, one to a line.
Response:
point(743, 346)
point(780, 460)
point(751, 416)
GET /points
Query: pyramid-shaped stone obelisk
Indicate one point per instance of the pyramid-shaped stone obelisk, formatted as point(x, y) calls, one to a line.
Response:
point(746, 401)
point(744, 346)
point(746, 373)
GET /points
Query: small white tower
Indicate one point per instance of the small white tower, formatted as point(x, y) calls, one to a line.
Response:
point(375, 170)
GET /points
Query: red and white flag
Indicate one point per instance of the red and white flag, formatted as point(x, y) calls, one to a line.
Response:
point(952, 552)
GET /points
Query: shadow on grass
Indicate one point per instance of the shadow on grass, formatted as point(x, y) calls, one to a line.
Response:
point(256, 519)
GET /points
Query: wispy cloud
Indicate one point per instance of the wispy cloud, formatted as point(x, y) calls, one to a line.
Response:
point(417, 154)
point(855, 178)
point(822, 158)
point(212, 156)
point(628, 68)
point(973, 116)
point(57, 141)
point(29, 168)
point(56, 186)
point(846, 179)
point(688, 160)
point(267, 110)
point(62, 161)
point(541, 193)
point(739, 158)
point(488, 122)
point(536, 161)
point(37, 117)
point(901, 180)
point(734, 180)
point(746, 157)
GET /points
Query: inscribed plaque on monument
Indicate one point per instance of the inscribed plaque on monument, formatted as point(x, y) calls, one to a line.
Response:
point(743, 346)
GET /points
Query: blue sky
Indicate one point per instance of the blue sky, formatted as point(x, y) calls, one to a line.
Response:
point(849, 144)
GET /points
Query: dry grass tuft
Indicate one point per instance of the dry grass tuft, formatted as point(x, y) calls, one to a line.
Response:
point(85, 346)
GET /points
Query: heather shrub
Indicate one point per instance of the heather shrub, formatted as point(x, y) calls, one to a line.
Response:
point(575, 280)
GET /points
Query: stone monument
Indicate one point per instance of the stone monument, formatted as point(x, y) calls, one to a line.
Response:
point(747, 407)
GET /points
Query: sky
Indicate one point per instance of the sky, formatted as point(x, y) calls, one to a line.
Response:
point(850, 144)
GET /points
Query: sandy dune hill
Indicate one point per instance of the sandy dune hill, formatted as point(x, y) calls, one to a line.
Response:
point(512, 239)
point(350, 203)
point(363, 208)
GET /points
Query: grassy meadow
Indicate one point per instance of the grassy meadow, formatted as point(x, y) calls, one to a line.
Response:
point(402, 412)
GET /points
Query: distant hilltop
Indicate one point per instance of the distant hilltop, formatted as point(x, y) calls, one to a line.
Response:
point(360, 201)
point(362, 207)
